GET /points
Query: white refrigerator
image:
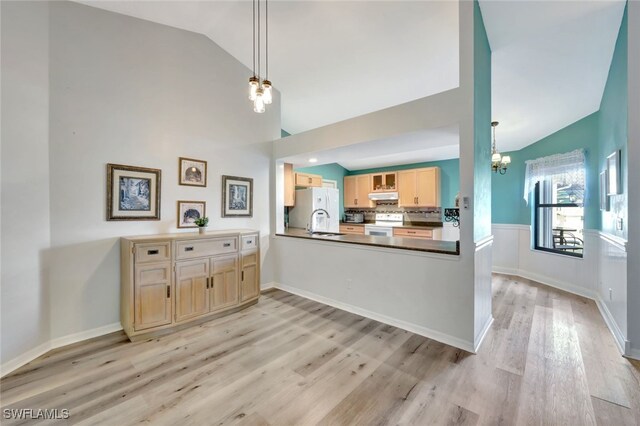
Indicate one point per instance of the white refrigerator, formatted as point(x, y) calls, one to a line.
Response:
point(311, 199)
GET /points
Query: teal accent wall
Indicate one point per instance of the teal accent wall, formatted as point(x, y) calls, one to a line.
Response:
point(284, 133)
point(449, 177)
point(331, 171)
point(482, 128)
point(613, 129)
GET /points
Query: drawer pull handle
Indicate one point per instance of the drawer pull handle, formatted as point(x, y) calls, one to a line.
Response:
point(188, 248)
point(168, 292)
point(152, 252)
point(226, 245)
point(411, 232)
point(249, 242)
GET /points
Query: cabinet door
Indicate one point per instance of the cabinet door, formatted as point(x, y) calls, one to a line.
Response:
point(428, 187)
point(407, 188)
point(363, 188)
point(316, 181)
point(249, 279)
point(191, 288)
point(350, 192)
point(289, 186)
point(223, 290)
point(152, 297)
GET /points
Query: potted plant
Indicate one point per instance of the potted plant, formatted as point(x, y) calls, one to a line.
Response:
point(202, 222)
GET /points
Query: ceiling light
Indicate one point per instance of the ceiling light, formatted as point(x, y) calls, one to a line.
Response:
point(499, 163)
point(260, 90)
point(313, 160)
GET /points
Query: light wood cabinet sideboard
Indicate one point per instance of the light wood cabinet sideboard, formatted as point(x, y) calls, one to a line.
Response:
point(171, 280)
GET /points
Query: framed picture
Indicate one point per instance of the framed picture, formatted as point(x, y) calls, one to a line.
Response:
point(604, 198)
point(613, 174)
point(133, 193)
point(237, 196)
point(192, 172)
point(189, 211)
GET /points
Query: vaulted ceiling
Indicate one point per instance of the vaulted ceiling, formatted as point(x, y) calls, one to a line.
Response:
point(334, 60)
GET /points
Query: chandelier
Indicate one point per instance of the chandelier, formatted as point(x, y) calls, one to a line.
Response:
point(499, 163)
point(259, 88)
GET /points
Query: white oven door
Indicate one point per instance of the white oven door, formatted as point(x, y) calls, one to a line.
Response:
point(380, 231)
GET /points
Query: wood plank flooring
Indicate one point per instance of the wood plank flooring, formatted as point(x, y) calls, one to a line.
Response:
point(548, 359)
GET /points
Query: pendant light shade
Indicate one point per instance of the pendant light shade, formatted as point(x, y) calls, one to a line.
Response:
point(260, 90)
point(499, 163)
point(254, 83)
point(266, 88)
point(258, 103)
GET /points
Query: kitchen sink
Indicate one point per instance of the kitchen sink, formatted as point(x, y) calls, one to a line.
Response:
point(327, 234)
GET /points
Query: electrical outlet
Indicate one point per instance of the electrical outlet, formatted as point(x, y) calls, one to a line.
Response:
point(610, 294)
point(619, 224)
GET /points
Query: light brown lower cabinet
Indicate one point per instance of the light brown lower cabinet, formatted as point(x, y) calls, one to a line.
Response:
point(352, 229)
point(152, 296)
point(249, 280)
point(413, 233)
point(175, 279)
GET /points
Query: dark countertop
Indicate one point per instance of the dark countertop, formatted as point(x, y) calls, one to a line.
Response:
point(405, 225)
point(416, 244)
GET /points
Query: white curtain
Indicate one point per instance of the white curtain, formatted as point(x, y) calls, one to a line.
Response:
point(571, 165)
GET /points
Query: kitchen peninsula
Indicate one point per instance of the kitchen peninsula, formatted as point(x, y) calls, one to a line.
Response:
point(401, 243)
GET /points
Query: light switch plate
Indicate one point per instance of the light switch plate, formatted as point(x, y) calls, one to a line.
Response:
point(619, 224)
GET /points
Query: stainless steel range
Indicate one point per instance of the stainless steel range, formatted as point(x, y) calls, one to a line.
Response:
point(385, 222)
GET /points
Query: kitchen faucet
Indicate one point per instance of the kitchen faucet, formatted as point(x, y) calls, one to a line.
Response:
point(310, 228)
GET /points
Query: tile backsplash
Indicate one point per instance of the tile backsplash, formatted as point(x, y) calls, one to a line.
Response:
point(410, 214)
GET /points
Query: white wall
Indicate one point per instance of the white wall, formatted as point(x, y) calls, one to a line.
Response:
point(128, 91)
point(633, 272)
point(24, 294)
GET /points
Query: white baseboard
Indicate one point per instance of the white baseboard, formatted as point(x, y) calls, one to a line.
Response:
point(483, 333)
point(560, 285)
point(24, 358)
point(633, 354)
point(85, 335)
point(59, 342)
point(622, 344)
point(414, 328)
point(267, 286)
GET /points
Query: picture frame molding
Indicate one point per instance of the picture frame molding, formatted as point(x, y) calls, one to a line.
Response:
point(226, 178)
point(111, 168)
point(179, 215)
point(604, 187)
point(180, 182)
point(614, 158)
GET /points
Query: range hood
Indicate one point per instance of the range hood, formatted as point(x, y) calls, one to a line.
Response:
point(376, 196)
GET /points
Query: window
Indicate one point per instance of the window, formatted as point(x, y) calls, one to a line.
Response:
point(559, 216)
point(559, 191)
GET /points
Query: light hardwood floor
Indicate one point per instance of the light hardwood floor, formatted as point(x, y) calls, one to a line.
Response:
point(548, 359)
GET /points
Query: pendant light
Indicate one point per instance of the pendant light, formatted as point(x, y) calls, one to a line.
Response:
point(499, 163)
point(260, 90)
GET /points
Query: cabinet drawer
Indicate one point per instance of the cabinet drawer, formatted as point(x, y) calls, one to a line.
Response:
point(209, 247)
point(352, 229)
point(249, 242)
point(413, 233)
point(153, 252)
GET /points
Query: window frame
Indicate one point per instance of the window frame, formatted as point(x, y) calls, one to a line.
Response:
point(536, 216)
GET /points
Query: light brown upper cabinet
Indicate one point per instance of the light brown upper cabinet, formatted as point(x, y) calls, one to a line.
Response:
point(419, 187)
point(383, 182)
point(308, 180)
point(289, 186)
point(356, 191)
